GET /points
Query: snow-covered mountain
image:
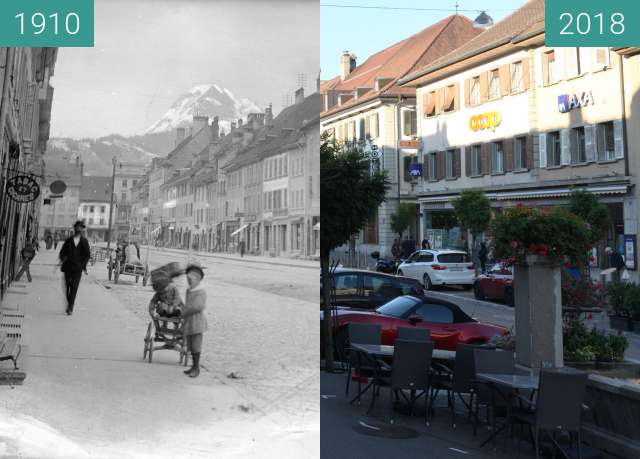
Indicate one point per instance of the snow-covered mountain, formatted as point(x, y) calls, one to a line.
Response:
point(206, 99)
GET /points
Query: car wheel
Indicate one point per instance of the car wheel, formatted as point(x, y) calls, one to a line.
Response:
point(400, 273)
point(426, 281)
point(477, 291)
point(508, 297)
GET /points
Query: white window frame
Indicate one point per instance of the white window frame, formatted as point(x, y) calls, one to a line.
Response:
point(449, 160)
point(494, 84)
point(433, 164)
point(474, 91)
point(517, 77)
point(551, 151)
point(476, 160)
point(497, 157)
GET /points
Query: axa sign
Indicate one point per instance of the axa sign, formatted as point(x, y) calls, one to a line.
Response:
point(23, 188)
point(567, 102)
point(489, 120)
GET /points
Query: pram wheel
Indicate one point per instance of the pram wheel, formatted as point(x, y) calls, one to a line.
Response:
point(148, 342)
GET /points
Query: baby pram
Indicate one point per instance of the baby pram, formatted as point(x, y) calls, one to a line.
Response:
point(165, 333)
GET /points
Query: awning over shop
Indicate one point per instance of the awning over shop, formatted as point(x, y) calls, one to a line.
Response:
point(239, 229)
point(535, 193)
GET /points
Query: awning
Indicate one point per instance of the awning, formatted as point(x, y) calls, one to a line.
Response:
point(239, 229)
point(317, 226)
point(535, 193)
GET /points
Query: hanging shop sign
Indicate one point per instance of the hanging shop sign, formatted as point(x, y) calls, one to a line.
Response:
point(23, 188)
point(58, 187)
point(489, 120)
point(567, 102)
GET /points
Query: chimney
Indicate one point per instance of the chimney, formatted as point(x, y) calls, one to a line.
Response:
point(179, 135)
point(200, 121)
point(268, 116)
point(215, 128)
point(233, 126)
point(347, 64)
point(299, 95)
point(239, 122)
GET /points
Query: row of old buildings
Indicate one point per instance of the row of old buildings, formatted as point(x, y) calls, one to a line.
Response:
point(455, 107)
point(25, 114)
point(257, 185)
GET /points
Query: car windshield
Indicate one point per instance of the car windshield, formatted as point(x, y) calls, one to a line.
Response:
point(453, 258)
point(398, 307)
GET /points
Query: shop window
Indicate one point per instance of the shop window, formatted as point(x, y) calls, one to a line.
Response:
point(605, 139)
point(520, 153)
point(497, 158)
point(494, 84)
point(476, 160)
point(409, 123)
point(517, 83)
point(553, 149)
point(432, 161)
point(474, 91)
point(449, 163)
point(578, 147)
point(429, 102)
point(550, 67)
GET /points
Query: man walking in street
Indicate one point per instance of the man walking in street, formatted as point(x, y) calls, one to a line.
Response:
point(74, 256)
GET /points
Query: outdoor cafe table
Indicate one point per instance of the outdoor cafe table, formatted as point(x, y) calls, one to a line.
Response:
point(513, 382)
point(381, 350)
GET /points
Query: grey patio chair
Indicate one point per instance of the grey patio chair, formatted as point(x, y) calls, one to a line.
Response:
point(414, 334)
point(361, 334)
point(459, 381)
point(411, 371)
point(558, 407)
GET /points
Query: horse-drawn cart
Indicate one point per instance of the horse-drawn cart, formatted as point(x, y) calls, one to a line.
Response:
point(118, 265)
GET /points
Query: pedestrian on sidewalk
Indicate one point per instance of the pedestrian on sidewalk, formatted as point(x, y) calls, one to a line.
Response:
point(242, 247)
point(74, 256)
point(55, 242)
point(27, 253)
point(195, 323)
point(482, 256)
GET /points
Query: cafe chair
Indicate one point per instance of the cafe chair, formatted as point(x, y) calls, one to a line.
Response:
point(459, 381)
point(410, 372)
point(414, 334)
point(558, 408)
point(361, 334)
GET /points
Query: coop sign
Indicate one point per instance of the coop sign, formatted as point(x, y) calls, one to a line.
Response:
point(23, 188)
point(489, 120)
point(567, 102)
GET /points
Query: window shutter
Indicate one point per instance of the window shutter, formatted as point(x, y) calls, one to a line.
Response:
point(484, 87)
point(456, 96)
point(467, 161)
point(439, 100)
point(529, 152)
point(485, 158)
point(617, 136)
point(425, 167)
point(508, 151)
point(600, 142)
point(440, 158)
point(565, 147)
point(525, 73)
point(505, 80)
point(456, 163)
point(589, 141)
point(542, 148)
point(467, 92)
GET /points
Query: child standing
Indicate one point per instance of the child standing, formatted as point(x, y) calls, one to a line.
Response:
point(195, 323)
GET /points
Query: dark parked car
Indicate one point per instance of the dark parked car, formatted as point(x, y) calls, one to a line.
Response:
point(496, 284)
point(448, 324)
point(368, 289)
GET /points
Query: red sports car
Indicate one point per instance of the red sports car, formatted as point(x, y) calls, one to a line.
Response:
point(496, 284)
point(449, 325)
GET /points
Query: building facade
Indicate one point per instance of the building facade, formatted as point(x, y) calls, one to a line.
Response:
point(58, 214)
point(94, 207)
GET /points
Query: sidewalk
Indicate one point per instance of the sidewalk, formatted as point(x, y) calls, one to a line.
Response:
point(88, 393)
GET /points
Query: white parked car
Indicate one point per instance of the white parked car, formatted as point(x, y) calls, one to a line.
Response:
point(439, 267)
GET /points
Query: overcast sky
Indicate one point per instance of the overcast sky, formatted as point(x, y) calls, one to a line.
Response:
point(148, 52)
point(364, 30)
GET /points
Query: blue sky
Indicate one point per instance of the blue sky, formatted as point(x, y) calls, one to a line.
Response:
point(365, 31)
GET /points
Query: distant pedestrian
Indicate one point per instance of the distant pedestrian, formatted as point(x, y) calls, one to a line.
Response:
point(395, 249)
point(616, 261)
point(242, 248)
point(49, 241)
point(74, 256)
point(482, 256)
point(195, 323)
point(425, 244)
point(55, 242)
point(27, 254)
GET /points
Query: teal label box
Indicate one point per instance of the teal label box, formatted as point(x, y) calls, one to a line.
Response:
point(46, 23)
point(610, 23)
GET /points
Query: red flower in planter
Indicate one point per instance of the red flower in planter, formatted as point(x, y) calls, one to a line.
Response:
point(592, 258)
point(511, 260)
point(514, 244)
point(533, 248)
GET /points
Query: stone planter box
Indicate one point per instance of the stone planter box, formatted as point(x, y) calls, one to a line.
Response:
point(620, 323)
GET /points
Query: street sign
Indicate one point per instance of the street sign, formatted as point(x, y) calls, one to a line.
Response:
point(58, 187)
point(23, 188)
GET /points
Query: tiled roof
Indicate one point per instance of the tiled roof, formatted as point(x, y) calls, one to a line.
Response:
point(95, 189)
point(400, 58)
point(526, 20)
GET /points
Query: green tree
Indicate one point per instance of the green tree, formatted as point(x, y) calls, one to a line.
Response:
point(586, 206)
point(403, 218)
point(350, 195)
point(473, 210)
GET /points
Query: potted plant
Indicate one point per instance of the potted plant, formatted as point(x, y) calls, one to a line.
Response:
point(619, 317)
